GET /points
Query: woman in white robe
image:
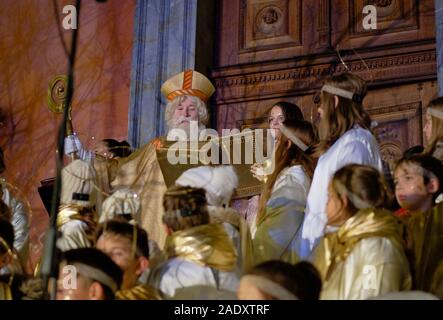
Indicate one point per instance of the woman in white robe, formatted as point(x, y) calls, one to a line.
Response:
point(283, 200)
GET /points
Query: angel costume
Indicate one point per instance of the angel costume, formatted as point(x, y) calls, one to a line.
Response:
point(278, 232)
point(201, 256)
point(364, 258)
point(357, 146)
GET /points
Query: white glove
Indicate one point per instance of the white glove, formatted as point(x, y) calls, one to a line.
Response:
point(262, 171)
point(73, 144)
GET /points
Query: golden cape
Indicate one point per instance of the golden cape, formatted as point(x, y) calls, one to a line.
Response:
point(231, 216)
point(69, 212)
point(338, 245)
point(367, 245)
point(425, 242)
point(139, 292)
point(5, 292)
point(141, 173)
point(207, 245)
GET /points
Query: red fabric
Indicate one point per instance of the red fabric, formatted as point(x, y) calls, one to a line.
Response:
point(402, 213)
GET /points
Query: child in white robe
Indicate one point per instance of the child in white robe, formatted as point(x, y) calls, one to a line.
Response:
point(345, 137)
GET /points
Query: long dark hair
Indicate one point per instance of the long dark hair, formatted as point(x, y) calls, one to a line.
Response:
point(285, 157)
point(118, 149)
point(290, 111)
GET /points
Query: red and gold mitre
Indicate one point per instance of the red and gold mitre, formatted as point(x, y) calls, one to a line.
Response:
point(189, 82)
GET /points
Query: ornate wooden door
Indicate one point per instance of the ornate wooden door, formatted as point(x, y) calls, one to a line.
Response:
point(271, 50)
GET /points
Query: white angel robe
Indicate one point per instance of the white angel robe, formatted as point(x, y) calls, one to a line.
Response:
point(279, 231)
point(356, 146)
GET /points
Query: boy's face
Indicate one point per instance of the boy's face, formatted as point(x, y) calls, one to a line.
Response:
point(410, 189)
point(119, 249)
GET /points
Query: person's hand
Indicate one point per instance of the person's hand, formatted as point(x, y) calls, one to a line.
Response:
point(72, 144)
point(158, 143)
point(258, 172)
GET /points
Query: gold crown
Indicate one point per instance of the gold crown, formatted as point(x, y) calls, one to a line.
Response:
point(189, 82)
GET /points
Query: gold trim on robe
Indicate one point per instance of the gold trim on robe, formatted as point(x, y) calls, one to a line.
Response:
point(139, 292)
point(141, 173)
point(69, 212)
point(5, 292)
point(77, 225)
point(207, 245)
point(425, 233)
point(232, 216)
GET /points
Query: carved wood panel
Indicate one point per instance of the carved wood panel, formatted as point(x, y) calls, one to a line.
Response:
point(265, 30)
point(323, 24)
point(400, 127)
point(270, 25)
point(397, 21)
point(262, 60)
point(392, 16)
point(290, 78)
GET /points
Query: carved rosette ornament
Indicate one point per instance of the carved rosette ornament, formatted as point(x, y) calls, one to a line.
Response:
point(382, 3)
point(390, 154)
point(269, 20)
point(385, 8)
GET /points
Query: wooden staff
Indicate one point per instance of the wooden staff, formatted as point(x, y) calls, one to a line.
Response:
point(56, 101)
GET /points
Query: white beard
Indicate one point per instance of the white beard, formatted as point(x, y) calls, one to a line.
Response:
point(185, 131)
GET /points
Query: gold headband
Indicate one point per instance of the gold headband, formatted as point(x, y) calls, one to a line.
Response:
point(355, 200)
point(435, 112)
point(96, 274)
point(293, 138)
point(5, 245)
point(342, 93)
point(269, 287)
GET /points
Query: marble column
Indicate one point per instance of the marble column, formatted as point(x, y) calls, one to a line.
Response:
point(164, 45)
point(439, 43)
